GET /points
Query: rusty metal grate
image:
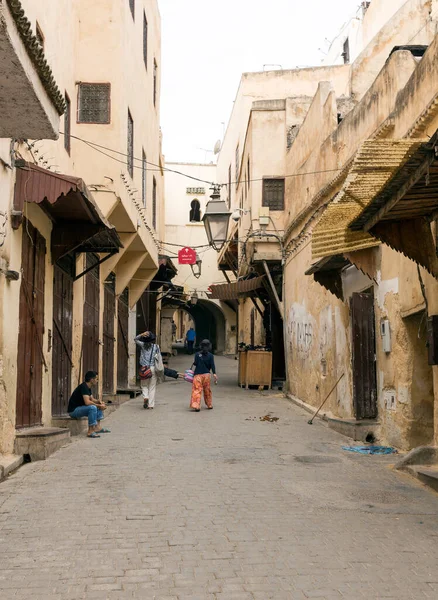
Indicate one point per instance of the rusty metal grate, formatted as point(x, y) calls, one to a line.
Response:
point(273, 194)
point(94, 103)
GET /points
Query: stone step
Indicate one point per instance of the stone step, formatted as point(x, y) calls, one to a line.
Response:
point(8, 464)
point(38, 443)
point(427, 474)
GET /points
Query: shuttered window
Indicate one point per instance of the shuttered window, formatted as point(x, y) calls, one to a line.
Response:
point(130, 153)
point(237, 165)
point(94, 103)
point(154, 204)
point(273, 194)
point(145, 40)
point(143, 178)
point(67, 124)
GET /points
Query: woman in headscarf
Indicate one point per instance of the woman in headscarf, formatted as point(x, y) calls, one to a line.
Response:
point(149, 353)
point(203, 365)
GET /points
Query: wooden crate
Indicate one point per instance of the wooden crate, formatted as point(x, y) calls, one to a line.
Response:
point(242, 368)
point(255, 369)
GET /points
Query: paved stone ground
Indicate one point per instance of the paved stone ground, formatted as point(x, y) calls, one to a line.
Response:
point(215, 505)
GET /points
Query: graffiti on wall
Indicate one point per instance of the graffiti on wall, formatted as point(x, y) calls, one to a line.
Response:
point(301, 330)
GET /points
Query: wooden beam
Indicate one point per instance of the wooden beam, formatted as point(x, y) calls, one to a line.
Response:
point(274, 291)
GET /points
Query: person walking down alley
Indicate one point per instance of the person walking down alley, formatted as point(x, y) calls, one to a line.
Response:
point(190, 339)
point(203, 365)
point(82, 404)
point(151, 364)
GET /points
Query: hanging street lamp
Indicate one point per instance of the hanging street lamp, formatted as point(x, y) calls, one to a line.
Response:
point(198, 266)
point(194, 298)
point(216, 219)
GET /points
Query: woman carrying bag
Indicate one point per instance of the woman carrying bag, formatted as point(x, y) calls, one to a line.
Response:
point(151, 367)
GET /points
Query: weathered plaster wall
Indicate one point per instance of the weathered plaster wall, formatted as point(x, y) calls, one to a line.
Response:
point(317, 339)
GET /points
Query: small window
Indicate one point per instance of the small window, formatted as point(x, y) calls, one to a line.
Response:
point(132, 7)
point(130, 140)
point(67, 124)
point(273, 194)
point(237, 164)
point(145, 40)
point(143, 178)
point(154, 204)
point(195, 211)
point(346, 51)
point(94, 103)
point(249, 174)
point(39, 35)
point(155, 81)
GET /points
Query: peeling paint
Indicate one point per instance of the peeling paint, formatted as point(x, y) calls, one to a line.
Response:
point(387, 286)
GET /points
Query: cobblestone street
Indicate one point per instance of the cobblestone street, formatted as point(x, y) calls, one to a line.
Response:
point(216, 505)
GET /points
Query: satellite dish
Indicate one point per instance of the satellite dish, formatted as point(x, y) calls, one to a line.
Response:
point(217, 147)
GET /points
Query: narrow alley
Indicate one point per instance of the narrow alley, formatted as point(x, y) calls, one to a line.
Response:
point(217, 505)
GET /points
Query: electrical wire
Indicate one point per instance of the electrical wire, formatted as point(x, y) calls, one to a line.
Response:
point(99, 147)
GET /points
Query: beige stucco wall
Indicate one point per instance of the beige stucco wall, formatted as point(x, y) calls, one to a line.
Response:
point(180, 231)
point(319, 326)
point(270, 85)
point(86, 43)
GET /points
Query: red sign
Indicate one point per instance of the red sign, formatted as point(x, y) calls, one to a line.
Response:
point(187, 256)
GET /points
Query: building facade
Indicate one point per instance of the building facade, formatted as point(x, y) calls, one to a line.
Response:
point(83, 204)
point(186, 199)
point(357, 314)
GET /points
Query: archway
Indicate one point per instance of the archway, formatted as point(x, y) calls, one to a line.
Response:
point(209, 322)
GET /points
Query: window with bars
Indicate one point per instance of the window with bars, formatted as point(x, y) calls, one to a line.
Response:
point(154, 203)
point(237, 164)
point(94, 103)
point(273, 194)
point(130, 140)
point(155, 81)
point(67, 124)
point(132, 7)
point(143, 178)
point(145, 40)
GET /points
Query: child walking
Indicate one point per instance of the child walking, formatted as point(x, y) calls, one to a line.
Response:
point(203, 365)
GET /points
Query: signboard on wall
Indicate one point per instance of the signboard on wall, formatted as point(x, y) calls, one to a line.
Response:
point(187, 256)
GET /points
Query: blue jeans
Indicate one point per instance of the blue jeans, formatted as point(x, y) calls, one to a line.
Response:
point(93, 413)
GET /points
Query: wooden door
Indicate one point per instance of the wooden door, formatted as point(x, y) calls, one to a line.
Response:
point(122, 341)
point(30, 359)
point(109, 312)
point(90, 339)
point(62, 339)
point(364, 356)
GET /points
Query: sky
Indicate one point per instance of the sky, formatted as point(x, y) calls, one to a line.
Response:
point(207, 45)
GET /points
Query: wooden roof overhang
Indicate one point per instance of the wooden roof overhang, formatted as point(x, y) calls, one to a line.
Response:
point(328, 273)
point(401, 213)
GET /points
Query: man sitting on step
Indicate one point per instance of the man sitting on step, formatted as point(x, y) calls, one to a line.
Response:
point(82, 404)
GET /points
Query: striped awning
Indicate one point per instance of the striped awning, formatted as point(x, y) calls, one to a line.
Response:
point(375, 163)
point(234, 290)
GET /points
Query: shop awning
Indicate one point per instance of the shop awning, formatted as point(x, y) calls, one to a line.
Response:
point(327, 272)
point(78, 224)
point(375, 164)
point(234, 290)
